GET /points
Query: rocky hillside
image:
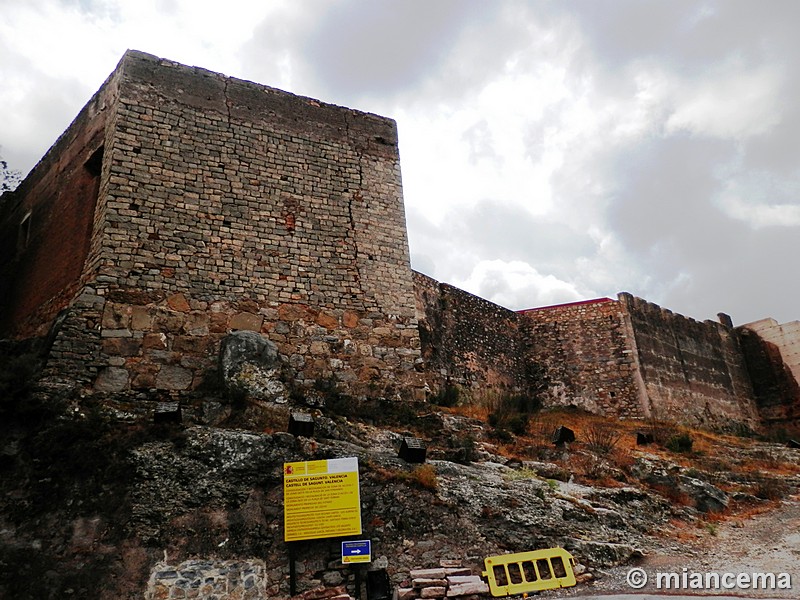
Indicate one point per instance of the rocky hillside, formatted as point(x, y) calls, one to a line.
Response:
point(97, 502)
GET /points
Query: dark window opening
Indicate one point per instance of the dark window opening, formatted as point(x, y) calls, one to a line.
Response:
point(95, 163)
point(24, 234)
point(543, 567)
point(514, 573)
point(530, 572)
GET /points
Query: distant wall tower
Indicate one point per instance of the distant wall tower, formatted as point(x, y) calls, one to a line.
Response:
point(182, 204)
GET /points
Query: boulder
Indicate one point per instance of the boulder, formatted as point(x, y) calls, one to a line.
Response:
point(250, 364)
point(706, 497)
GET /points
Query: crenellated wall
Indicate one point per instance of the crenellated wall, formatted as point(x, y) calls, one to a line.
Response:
point(693, 372)
point(182, 204)
point(627, 357)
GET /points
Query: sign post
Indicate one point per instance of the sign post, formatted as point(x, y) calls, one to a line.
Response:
point(321, 499)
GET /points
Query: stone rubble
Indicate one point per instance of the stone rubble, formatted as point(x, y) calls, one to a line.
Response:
point(450, 580)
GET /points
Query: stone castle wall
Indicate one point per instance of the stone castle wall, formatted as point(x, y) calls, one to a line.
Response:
point(694, 372)
point(470, 342)
point(772, 354)
point(46, 224)
point(626, 357)
point(182, 205)
point(225, 205)
point(587, 352)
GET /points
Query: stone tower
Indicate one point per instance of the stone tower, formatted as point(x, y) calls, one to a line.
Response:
point(182, 204)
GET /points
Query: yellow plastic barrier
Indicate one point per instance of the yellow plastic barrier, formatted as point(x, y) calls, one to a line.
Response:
point(525, 572)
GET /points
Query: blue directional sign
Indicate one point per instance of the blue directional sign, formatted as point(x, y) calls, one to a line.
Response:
point(358, 551)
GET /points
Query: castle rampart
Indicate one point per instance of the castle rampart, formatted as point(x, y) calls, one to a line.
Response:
point(587, 350)
point(182, 205)
point(693, 371)
point(222, 205)
point(470, 343)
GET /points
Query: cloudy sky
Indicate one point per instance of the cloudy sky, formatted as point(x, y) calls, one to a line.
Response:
point(551, 151)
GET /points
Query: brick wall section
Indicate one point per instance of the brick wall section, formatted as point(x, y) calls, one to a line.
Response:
point(586, 349)
point(229, 205)
point(41, 264)
point(694, 372)
point(469, 342)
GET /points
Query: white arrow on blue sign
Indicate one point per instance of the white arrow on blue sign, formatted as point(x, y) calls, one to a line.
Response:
point(357, 551)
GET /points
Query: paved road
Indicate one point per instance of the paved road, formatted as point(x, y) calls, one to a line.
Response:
point(661, 597)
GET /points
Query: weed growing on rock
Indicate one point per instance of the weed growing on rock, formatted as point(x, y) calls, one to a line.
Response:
point(424, 476)
point(523, 473)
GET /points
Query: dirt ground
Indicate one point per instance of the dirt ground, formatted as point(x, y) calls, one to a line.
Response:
point(765, 543)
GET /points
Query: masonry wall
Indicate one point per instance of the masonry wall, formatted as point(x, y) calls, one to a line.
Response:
point(772, 353)
point(470, 342)
point(585, 347)
point(227, 205)
point(694, 372)
point(46, 224)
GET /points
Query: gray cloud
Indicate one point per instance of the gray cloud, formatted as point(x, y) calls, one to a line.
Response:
point(665, 192)
point(41, 115)
point(495, 230)
point(382, 47)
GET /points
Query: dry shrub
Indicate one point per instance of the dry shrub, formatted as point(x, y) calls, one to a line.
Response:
point(447, 396)
point(596, 470)
point(770, 489)
point(424, 476)
point(622, 458)
point(512, 412)
point(680, 443)
point(602, 439)
point(662, 431)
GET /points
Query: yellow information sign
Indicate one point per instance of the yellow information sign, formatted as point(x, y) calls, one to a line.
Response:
point(321, 499)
